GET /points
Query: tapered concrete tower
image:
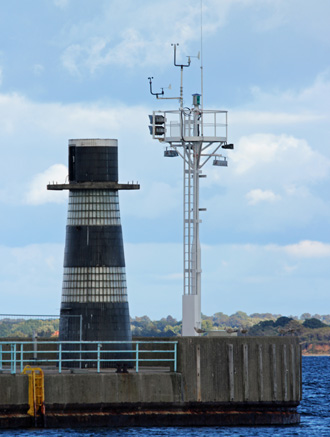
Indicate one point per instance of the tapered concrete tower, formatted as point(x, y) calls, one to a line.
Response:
point(94, 303)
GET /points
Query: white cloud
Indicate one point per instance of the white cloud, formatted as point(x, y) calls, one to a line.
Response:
point(133, 50)
point(19, 114)
point(298, 113)
point(279, 157)
point(302, 105)
point(38, 194)
point(308, 249)
point(147, 31)
point(316, 95)
point(146, 37)
point(255, 150)
point(258, 195)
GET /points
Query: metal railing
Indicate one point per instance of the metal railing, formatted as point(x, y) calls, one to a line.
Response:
point(69, 354)
point(180, 125)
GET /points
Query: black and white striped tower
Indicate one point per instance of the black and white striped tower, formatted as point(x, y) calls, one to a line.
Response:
point(94, 303)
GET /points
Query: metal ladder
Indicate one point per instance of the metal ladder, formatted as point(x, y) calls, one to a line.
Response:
point(188, 231)
point(36, 391)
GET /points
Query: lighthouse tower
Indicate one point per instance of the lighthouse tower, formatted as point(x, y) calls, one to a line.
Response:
point(94, 303)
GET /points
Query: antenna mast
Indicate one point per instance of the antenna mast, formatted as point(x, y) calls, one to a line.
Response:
point(202, 84)
point(195, 135)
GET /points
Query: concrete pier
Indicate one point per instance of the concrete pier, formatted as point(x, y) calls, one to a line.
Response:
point(220, 381)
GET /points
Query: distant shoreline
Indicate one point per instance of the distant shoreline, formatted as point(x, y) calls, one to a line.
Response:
point(316, 355)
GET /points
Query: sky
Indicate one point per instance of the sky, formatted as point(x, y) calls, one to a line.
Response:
point(80, 68)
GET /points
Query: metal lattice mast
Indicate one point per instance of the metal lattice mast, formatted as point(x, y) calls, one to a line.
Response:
point(195, 135)
point(191, 243)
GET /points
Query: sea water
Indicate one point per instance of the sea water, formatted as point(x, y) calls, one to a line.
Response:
point(314, 410)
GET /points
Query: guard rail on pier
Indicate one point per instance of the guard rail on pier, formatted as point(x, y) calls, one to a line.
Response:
point(15, 355)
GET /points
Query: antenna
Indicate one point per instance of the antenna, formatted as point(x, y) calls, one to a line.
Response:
point(162, 93)
point(201, 52)
point(181, 83)
point(155, 94)
point(181, 67)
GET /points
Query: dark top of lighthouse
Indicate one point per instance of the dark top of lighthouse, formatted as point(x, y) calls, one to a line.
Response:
point(93, 160)
point(93, 164)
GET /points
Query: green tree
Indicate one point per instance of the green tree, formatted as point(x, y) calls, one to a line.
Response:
point(314, 323)
point(207, 325)
point(282, 321)
point(238, 319)
point(220, 319)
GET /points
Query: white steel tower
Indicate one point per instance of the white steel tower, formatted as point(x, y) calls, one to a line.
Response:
point(196, 135)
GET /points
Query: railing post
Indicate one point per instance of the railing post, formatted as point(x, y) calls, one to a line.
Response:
point(60, 358)
point(22, 360)
point(98, 357)
point(137, 357)
point(35, 347)
point(80, 339)
point(13, 358)
point(175, 356)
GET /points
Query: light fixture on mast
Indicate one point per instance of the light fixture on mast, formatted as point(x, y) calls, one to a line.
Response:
point(196, 135)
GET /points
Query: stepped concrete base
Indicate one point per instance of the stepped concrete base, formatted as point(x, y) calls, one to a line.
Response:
point(157, 416)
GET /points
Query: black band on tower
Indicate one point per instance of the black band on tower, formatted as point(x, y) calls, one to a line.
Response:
point(91, 246)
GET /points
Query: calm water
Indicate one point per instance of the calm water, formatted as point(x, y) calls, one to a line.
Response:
point(314, 409)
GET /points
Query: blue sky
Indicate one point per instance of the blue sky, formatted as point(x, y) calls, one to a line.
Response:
point(79, 69)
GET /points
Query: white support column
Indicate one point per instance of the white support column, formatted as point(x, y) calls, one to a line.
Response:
point(191, 302)
point(190, 314)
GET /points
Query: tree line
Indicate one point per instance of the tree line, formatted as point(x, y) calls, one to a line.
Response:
point(313, 330)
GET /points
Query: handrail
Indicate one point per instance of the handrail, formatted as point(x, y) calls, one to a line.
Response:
point(85, 352)
point(181, 125)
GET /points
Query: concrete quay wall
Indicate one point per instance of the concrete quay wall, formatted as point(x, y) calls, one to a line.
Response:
point(220, 381)
point(240, 369)
point(92, 389)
